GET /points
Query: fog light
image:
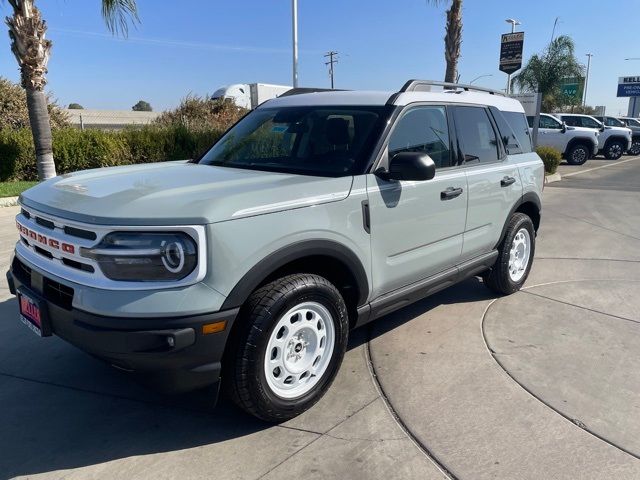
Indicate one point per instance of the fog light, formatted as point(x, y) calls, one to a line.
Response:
point(171, 341)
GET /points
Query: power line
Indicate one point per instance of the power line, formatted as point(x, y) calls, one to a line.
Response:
point(331, 62)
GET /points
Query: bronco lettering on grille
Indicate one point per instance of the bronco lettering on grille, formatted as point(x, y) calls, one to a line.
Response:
point(44, 240)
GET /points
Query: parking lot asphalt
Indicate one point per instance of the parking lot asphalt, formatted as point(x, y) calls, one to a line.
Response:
point(541, 384)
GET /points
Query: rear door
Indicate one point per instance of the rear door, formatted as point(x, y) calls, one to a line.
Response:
point(493, 179)
point(417, 226)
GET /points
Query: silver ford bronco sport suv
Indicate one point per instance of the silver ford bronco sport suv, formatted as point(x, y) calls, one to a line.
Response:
point(316, 213)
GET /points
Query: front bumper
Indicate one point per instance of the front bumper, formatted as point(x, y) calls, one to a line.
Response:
point(172, 354)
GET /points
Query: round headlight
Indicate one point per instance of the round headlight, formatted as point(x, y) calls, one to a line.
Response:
point(173, 256)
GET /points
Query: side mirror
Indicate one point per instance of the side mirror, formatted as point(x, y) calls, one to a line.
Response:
point(411, 166)
point(564, 127)
point(602, 128)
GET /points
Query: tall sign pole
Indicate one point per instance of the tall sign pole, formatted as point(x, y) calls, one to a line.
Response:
point(294, 14)
point(511, 52)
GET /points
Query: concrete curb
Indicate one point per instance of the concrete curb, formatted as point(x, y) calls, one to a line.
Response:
point(552, 178)
point(8, 201)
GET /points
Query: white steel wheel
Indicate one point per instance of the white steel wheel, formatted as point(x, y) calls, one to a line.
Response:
point(519, 254)
point(299, 350)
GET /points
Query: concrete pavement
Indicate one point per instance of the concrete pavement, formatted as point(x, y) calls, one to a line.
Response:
point(541, 384)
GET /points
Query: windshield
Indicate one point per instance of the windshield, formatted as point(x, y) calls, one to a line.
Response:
point(318, 140)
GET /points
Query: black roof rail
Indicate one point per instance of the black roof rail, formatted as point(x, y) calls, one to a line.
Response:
point(422, 85)
point(301, 90)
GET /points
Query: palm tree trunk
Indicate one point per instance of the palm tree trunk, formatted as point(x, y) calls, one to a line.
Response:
point(453, 40)
point(41, 128)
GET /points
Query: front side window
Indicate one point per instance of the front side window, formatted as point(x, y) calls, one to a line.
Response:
point(550, 122)
point(632, 122)
point(318, 140)
point(476, 133)
point(423, 129)
point(589, 122)
point(613, 122)
point(573, 121)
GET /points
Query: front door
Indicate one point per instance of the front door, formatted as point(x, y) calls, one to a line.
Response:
point(417, 226)
point(551, 134)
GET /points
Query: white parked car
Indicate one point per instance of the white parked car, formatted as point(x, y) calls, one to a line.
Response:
point(613, 141)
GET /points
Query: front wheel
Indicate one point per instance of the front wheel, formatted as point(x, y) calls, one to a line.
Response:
point(290, 346)
point(578, 154)
point(614, 150)
point(515, 256)
point(635, 147)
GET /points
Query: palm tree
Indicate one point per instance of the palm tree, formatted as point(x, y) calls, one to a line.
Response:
point(546, 72)
point(32, 50)
point(452, 38)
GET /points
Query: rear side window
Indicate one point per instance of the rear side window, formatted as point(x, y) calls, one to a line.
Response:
point(517, 122)
point(477, 136)
point(423, 129)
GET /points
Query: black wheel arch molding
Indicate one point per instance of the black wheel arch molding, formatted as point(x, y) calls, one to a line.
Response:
point(529, 203)
point(299, 251)
point(620, 138)
point(581, 141)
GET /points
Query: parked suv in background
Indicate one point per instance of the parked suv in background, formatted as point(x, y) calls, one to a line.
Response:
point(634, 125)
point(613, 141)
point(576, 144)
point(316, 213)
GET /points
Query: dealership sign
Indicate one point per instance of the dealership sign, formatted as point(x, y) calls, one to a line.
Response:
point(511, 52)
point(629, 87)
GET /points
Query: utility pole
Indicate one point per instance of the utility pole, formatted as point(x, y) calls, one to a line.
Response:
point(586, 80)
point(331, 62)
point(294, 15)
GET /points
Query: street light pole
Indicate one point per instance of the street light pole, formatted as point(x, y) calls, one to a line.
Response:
point(294, 14)
point(586, 80)
point(479, 77)
point(513, 30)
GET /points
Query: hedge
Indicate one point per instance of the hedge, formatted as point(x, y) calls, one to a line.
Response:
point(550, 157)
point(78, 150)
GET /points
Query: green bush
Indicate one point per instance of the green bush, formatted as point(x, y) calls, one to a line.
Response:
point(75, 150)
point(551, 158)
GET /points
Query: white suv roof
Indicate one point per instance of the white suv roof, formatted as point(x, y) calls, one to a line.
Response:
point(412, 92)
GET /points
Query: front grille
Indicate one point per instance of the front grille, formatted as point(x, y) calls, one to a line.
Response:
point(43, 252)
point(58, 294)
point(21, 272)
point(45, 223)
point(77, 232)
point(78, 265)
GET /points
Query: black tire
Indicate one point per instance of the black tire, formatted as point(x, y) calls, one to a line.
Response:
point(635, 147)
point(613, 150)
point(498, 278)
point(245, 378)
point(578, 154)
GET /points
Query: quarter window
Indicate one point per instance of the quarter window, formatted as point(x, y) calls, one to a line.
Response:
point(476, 133)
point(423, 129)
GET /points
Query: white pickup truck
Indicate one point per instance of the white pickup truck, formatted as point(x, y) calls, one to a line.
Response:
point(250, 95)
point(576, 144)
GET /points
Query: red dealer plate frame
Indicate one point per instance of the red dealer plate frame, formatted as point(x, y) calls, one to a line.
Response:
point(33, 313)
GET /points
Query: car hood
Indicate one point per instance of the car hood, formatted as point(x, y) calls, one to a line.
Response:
point(178, 193)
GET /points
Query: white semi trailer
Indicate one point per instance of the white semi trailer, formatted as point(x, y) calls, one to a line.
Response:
point(250, 95)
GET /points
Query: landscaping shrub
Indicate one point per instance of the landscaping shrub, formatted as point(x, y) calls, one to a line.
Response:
point(75, 150)
point(551, 158)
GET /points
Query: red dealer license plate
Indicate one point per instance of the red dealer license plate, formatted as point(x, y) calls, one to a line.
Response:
point(33, 314)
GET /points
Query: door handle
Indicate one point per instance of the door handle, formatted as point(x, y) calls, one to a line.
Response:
point(506, 181)
point(450, 193)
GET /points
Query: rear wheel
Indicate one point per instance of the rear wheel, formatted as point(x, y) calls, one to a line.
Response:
point(515, 256)
point(578, 154)
point(613, 150)
point(290, 347)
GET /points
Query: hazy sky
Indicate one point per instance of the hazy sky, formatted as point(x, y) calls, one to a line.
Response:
point(198, 45)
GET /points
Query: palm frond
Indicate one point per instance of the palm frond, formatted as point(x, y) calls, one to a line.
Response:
point(118, 13)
